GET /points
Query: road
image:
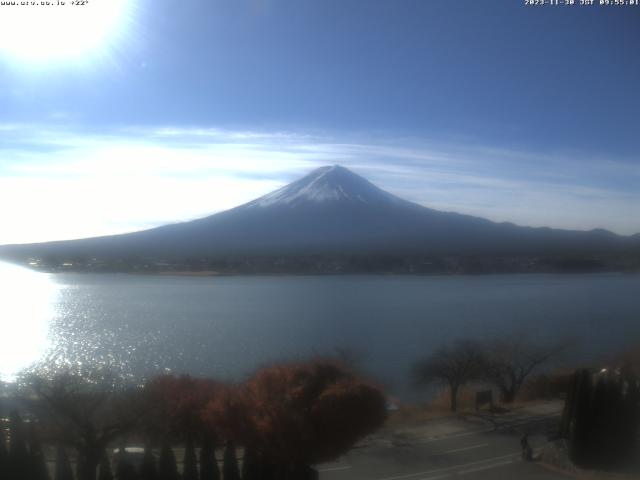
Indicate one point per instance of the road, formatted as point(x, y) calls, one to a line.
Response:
point(483, 447)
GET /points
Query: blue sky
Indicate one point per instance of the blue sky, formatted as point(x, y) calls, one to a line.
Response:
point(514, 113)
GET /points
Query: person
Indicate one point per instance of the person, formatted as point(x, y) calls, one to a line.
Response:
point(527, 452)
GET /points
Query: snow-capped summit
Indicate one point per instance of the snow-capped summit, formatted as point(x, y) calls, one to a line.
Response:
point(326, 185)
point(330, 211)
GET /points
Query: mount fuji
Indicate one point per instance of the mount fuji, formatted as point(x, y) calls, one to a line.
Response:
point(331, 211)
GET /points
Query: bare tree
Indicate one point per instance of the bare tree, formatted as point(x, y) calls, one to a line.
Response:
point(512, 359)
point(453, 365)
point(85, 413)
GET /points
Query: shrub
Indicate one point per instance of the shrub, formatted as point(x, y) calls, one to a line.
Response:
point(302, 414)
point(174, 405)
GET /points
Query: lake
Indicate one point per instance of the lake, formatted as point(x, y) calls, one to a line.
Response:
point(227, 326)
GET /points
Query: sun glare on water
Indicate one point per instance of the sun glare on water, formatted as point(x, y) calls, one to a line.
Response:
point(26, 309)
point(60, 29)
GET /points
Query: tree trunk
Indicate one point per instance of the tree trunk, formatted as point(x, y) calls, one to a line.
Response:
point(190, 462)
point(88, 461)
point(454, 398)
point(508, 394)
point(230, 469)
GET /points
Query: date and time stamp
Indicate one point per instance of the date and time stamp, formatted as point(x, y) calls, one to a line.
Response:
point(526, 3)
point(46, 3)
point(581, 3)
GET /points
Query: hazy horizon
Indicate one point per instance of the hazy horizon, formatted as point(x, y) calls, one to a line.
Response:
point(244, 203)
point(157, 114)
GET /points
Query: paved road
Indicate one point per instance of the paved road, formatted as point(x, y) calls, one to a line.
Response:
point(472, 448)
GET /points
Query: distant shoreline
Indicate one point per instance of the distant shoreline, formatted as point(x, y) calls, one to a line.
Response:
point(340, 264)
point(214, 274)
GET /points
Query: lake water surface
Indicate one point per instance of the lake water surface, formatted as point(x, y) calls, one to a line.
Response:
point(226, 326)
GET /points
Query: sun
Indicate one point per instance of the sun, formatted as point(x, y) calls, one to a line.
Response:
point(50, 30)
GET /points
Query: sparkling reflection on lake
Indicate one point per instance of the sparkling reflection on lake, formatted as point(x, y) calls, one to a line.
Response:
point(227, 326)
point(27, 305)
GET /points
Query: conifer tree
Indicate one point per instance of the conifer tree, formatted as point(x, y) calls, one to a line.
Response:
point(190, 462)
point(19, 465)
point(208, 462)
point(613, 442)
point(268, 470)
point(36, 457)
point(251, 465)
point(125, 469)
point(631, 409)
point(230, 469)
point(148, 468)
point(568, 413)
point(167, 468)
point(104, 469)
point(582, 418)
point(63, 466)
point(4, 457)
point(601, 423)
point(597, 444)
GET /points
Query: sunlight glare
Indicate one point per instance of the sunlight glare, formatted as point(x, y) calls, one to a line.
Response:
point(59, 29)
point(26, 308)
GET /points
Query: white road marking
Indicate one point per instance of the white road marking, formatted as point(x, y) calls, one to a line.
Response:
point(454, 435)
point(438, 477)
point(334, 469)
point(514, 423)
point(462, 449)
point(484, 467)
point(511, 456)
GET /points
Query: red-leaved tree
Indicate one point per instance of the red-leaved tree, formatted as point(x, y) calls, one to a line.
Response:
point(302, 414)
point(174, 405)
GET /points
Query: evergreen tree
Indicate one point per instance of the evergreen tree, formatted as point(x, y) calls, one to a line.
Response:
point(268, 470)
point(125, 469)
point(612, 439)
point(37, 460)
point(63, 466)
point(597, 444)
point(148, 468)
point(251, 465)
point(631, 409)
point(568, 413)
point(601, 423)
point(230, 467)
point(104, 469)
point(208, 463)
point(4, 457)
point(190, 463)
point(582, 418)
point(19, 465)
point(167, 468)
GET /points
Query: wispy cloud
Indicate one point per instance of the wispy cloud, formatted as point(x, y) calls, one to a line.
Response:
point(60, 183)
